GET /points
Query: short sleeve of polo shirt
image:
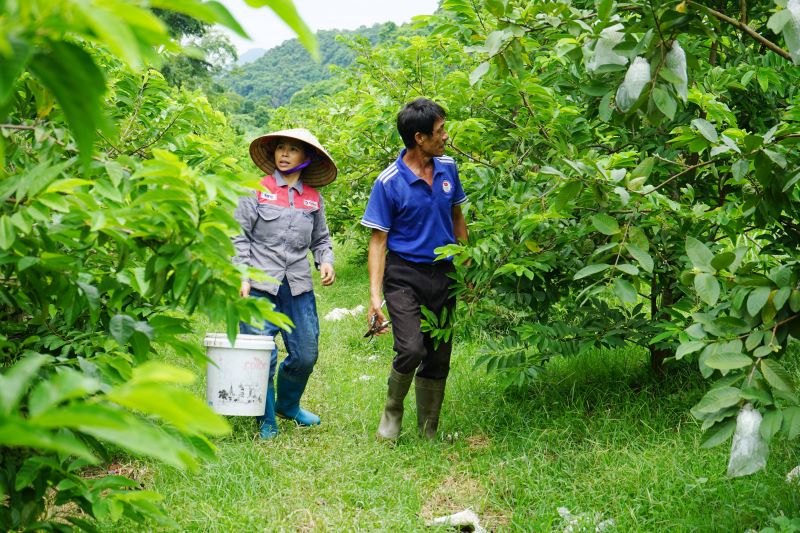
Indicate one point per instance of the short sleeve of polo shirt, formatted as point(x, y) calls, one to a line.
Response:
point(378, 214)
point(459, 196)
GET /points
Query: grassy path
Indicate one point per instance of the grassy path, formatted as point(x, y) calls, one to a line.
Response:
point(596, 435)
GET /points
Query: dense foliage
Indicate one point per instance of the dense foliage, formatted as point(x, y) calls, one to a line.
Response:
point(276, 76)
point(633, 177)
point(117, 192)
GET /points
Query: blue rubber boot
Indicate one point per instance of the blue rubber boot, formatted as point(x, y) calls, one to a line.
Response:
point(290, 389)
point(267, 424)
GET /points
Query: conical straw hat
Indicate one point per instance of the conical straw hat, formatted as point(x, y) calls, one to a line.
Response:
point(319, 173)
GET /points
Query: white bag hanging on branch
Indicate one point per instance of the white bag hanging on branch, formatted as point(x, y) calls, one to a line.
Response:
point(791, 31)
point(676, 63)
point(603, 53)
point(637, 76)
point(749, 450)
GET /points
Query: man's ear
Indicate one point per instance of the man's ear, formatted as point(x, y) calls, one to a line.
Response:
point(419, 137)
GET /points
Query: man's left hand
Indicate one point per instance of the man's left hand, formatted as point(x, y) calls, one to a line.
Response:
point(327, 274)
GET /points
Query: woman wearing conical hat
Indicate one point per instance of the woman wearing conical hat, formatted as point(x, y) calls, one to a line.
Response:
point(280, 224)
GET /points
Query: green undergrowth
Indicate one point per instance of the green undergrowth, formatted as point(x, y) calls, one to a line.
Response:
point(597, 435)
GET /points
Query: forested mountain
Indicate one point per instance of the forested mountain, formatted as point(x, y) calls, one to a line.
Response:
point(285, 69)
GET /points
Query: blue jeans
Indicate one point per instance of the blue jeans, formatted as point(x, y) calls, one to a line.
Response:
point(302, 344)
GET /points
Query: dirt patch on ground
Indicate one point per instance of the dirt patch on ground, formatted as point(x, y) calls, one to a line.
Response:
point(478, 442)
point(458, 492)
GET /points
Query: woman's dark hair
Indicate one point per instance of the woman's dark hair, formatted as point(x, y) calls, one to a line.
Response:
point(418, 116)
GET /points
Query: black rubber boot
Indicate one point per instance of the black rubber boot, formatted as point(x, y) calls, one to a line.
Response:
point(392, 418)
point(430, 395)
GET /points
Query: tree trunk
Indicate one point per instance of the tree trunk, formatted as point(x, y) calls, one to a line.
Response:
point(664, 290)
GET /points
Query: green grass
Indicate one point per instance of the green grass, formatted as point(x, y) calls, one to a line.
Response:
point(597, 434)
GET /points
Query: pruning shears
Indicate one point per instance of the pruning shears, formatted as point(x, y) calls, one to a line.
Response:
point(375, 327)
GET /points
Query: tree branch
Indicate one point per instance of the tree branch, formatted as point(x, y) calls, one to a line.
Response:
point(17, 127)
point(681, 173)
point(484, 163)
point(747, 29)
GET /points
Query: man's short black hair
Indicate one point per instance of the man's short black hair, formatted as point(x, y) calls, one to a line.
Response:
point(418, 116)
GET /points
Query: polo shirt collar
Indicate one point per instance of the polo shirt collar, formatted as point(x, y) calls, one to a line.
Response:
point(406, 172)
point(280, 181)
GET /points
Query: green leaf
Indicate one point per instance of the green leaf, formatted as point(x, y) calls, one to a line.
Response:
point(706, 129)
point(715, 400)
point(17, 432)
point(685, 348)
point(232, 323)
point(605, 224)
point(11, 67)
point(757, 394)
point(625, 291)
point(665, 102)
point(644, 168)
point(753, 340)
point(604, 9)
point(771, 423)
point(718, 433)
point(120, 428)
point(723, 260)
point(78, 86)
point(780, 297)
point(628, 269)
point(65, 385)
point(180, 408)
point(495, 41)
point(591, 269)
point(478, 73)
point(757, 299)
point(794, 301)
point(698, 253)
point(707, 288)
point(605, 110)
point(114, 31)
point(15, 380)
point(791, 422)
point(642, 257)
point(791, 183)
point(776, 375)
point(568, 193)
point(740, 168)
point(286, 11)
point(728, 361)
point(121, 328)
point(7, 233)
point(153, 372)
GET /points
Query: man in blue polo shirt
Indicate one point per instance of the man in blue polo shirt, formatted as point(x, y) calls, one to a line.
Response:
point(413, 209)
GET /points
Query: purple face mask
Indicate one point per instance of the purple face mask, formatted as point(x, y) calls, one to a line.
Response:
point(298, 168)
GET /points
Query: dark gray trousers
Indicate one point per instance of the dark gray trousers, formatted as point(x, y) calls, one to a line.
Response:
point(407, 286)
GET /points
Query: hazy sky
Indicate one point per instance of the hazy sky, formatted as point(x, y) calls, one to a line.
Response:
point(268, 31)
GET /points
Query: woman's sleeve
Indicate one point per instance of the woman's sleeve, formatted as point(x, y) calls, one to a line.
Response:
point(321, 244)
point(245, 214)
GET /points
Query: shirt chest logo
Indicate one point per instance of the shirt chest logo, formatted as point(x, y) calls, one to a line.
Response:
point(267, 197)
point(447, 186)
point(311, 203)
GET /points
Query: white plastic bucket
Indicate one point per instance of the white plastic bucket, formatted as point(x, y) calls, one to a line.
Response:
point(236, 382)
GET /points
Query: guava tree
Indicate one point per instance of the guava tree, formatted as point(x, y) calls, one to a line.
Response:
point(117, 197)
point(632, 173)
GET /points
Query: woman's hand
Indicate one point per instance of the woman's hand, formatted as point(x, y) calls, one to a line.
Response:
point(327, 274)
point(244, 290)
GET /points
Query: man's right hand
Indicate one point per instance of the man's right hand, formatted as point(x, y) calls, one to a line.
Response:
point(244, 290)
point(376, 309)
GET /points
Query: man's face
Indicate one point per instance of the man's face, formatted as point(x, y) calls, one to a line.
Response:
point(289, 153)
point(434, 143)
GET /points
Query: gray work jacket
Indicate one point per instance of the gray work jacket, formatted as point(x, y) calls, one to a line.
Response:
point(279, 227)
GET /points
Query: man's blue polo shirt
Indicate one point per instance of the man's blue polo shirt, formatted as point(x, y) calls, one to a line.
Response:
point(417, 217)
